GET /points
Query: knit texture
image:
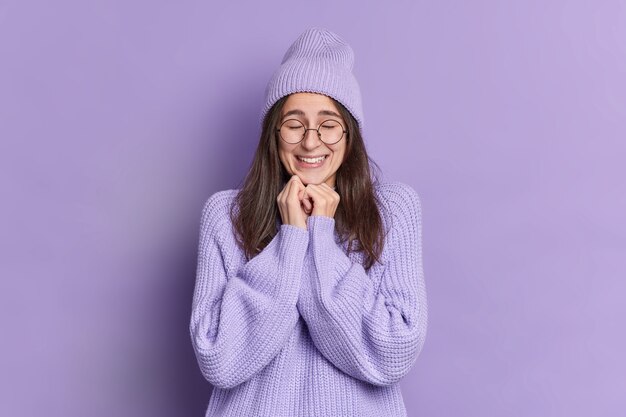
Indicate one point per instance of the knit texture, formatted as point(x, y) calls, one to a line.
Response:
point(301, 329)
point(318, 61)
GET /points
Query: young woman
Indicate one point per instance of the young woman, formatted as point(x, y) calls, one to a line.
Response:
point(310, 297)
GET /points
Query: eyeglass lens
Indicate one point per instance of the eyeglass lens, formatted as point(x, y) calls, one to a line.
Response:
point(292, 131)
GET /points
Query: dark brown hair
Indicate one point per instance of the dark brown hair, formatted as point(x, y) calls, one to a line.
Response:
point(255, 215)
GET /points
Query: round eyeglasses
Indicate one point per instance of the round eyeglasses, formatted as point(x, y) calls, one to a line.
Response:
point(293, 131)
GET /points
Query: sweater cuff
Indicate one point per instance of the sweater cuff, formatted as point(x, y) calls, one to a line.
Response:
point(293, 242)
point(327, 252)
point(271, 271)
point(321, 225)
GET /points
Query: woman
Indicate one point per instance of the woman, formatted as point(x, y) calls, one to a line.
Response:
point(309, 296)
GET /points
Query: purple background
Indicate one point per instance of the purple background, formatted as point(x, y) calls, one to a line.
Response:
point(119, 118)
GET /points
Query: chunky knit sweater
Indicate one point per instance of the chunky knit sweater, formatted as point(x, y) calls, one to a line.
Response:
point(301, 329)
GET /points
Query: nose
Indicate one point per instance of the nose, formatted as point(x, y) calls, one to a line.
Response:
point(316, 135)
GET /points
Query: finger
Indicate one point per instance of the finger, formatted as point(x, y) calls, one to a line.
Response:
point(301, 197)
point(314, 193)
point(307, 204)
point(323, 199)
point(328, 191)
point(296, 179)
point(306, 200)
point(294, 190)
point(315, 190)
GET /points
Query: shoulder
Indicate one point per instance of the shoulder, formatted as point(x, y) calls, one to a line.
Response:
point(397, 192)
point(216, 208)
point(219, 200)
point(400, 204)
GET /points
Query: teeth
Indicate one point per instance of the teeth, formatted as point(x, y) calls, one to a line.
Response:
point(311, 160)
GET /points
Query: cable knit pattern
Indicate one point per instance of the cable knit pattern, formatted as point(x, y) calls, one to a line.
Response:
point(302, 329)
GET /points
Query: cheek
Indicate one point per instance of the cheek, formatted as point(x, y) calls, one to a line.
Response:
point(339, 155)
point(285, 160)
point(284, 156)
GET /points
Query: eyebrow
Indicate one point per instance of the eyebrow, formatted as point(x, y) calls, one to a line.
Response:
point(299, 112)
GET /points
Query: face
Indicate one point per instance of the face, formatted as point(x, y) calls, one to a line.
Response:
point(311, 109)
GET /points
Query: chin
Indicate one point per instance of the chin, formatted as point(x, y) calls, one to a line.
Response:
point(307, 178)
point(306, 181)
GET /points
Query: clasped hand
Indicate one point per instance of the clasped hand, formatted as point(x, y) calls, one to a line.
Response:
point(296, 202)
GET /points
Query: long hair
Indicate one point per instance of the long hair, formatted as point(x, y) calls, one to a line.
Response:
point(255, 215)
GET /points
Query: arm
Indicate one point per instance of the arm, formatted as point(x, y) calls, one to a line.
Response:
point(371, 332)
point(239, 323)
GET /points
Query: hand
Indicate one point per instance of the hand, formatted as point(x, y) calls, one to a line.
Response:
point(290, 204)
point(320, 200)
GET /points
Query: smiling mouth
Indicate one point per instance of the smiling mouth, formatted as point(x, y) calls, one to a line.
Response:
point(312, 160)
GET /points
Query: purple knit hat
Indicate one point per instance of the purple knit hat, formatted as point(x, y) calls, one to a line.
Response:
point(318, 61)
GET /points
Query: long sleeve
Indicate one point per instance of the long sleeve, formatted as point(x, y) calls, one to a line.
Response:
point(242, 317)
point(372, 325)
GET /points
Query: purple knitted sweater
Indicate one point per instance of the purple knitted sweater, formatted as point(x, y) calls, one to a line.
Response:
point(302, 329)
